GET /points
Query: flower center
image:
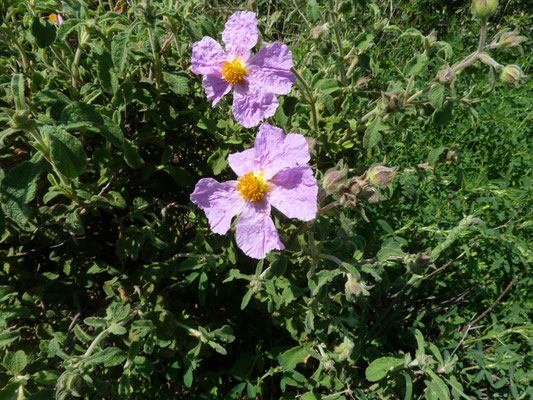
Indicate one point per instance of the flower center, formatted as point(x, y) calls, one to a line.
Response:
point(234, 72)
point(52, 17)
point(252, 187)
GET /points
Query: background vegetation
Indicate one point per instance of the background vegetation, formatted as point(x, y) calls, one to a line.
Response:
point(112, 285)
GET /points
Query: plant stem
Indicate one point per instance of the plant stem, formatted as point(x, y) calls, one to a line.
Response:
point(314, 253)
point(310, 98)
point(157, 67)
point(75, 66)
point(336, 30)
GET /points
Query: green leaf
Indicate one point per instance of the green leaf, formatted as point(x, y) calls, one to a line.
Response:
point(180, 175)
point(66, 153)
point(120, 46)
point(9, 392)
point(117, 329)
point(109, 356)
point(434, 155)
point(117, 312)
point(106, 71)
point(131, 155)
point(372, 134)
point(310, 396)
point(43, 31)
point(436, 95)
point(218, 160)
point(17, 88)
point(95, 321)
point(18, 189)
point(444, 115)
point(47, 377)
point(293, 357)
point(420, 342)
point(379, 368)
point(246, 299)
point(15, 362)
point(66, 27)
point(416, 64)
point(81, 334)
point(178, 82)
point(387, 252)
point(328, 86)
point(85, 117)
point(312, 10)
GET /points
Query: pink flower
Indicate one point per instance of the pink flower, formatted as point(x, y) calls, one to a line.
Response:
point(255, 80)
point(272, 173)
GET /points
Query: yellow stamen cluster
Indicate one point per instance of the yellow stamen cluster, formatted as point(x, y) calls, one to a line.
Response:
point(252, 187)
point(52, 17)
point(234, 72)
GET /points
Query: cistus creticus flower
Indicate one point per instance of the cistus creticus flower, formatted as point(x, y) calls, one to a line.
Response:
point(272, 173)
point(255, 79)
point(56, 18)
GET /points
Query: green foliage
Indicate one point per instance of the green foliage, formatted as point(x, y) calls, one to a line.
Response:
point(111, 283)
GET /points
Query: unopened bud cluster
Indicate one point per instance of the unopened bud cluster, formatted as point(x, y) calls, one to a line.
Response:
point(446, 76)
point(362, 187)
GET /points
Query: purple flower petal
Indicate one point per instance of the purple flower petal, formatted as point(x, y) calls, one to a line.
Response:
point(294, 192)
point(207, 57)
point(251, 106)
point(275, 151)
point(220, 202)
point(256, 233)
point(270, 68)
point(215, 88)
point(240, 34)
point(243, 162)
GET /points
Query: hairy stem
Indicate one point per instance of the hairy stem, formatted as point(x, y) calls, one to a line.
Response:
point(309, 97)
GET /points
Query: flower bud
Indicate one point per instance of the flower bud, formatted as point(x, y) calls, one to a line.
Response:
point(430, 40)
point(251, 5)
point(357, 185)
point(446, 76)
point(348, 200)
point(21, 120)
point(484, 8)
point(381, 176)
point(393, 100)
point(344, 350)
point(510, 41)
point(335, 178)
point(372, 196)
point(512, 75)
point(318, 32)
point(354, 288)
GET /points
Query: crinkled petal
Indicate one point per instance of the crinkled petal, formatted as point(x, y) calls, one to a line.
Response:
point(220, 202)
point(270, 69)
point(256, 233)
point(215, 88)
point(207, 57)
point(243, 162)
point(251, 106)
point(294, 192)
point(276, 151)
point(240, 33)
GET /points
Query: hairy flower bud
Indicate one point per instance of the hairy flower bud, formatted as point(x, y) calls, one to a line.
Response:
point(483, 9)
point(318, 32)
point(430, 40)
point(446, 76)
point(354, 288)
point(381, 176)
point(344, 350)
point(510, 41)
point(393, 100)
point(512, 75)
point(21, 120)
point(335, 178)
